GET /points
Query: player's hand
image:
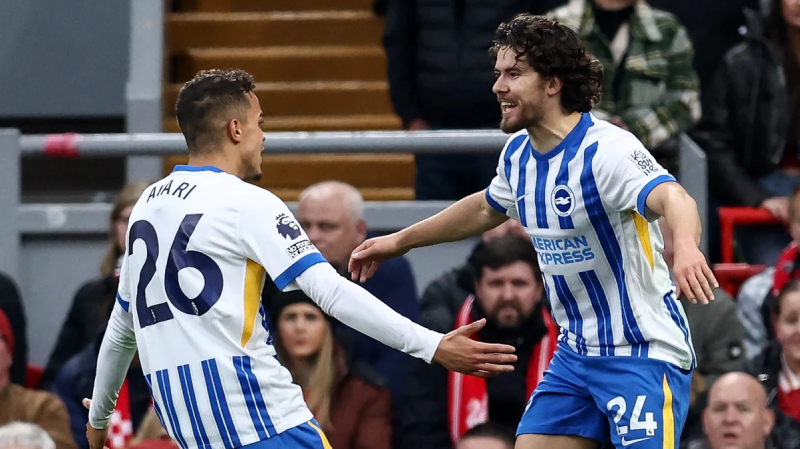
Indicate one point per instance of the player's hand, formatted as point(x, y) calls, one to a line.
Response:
point(97, 437)
point(458, 352)
point(693, 277)
point(368, 256)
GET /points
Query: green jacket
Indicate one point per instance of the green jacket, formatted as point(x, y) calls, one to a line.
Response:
point(658, 93)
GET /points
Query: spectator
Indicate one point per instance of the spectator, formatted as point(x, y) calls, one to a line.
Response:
point(713, 27)
point(778, 366)
point(443, 297)
point(756, 294)
point(29, 406)
point(347, 397)
point(717, 336)
point(487, 436)
point(332, 214)
point(152, 435)
point(19, 435)
point(650, 86)
point(438, 407)
point(737, 415)
point(750, 129)
point(75, 381)
point(440, 77)
point(92, 304)
point(11, 305)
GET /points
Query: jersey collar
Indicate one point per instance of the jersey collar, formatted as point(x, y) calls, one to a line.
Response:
point(193, 168)
point(574, 138)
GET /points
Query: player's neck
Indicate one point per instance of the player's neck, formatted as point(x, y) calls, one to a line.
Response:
point(552, 129)
point(219, 159)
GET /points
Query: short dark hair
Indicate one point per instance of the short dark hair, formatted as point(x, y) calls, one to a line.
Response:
point(491, 429)
point(207, 99)
point(503, 251)
point(554, 50)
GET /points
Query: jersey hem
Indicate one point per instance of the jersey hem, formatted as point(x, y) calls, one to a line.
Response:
point(495, 205)
point(298, 268)
point(641, 200)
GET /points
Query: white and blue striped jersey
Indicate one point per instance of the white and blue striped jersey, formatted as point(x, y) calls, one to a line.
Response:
point(200, 243)
point(599, 248)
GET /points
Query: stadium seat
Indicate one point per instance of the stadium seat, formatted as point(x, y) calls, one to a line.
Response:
point(730, 217)
point(731, 276)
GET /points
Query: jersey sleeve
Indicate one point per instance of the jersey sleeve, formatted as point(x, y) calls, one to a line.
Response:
point(124, 292)
point(626, 173)
point(499, 194)
point(270, 235)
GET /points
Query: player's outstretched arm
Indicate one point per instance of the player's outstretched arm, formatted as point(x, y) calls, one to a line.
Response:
point(357, 308)
point(468, 217)
point(116, 352)
point(693, 276)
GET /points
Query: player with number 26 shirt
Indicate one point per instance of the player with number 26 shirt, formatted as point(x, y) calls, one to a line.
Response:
point(200, 244)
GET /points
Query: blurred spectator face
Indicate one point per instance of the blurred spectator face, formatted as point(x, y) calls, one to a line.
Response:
point(5, 362)
point(508, 294)
point(302, 329)
point(737, 416)
point(791, 12)
point(482, 443)
point(121, 227)
point(327, 215)
point(787, 325)
point(520, 91)
point(509, 227)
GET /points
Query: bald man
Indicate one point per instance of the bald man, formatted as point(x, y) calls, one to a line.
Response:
point(737, 416)
point(332, 214)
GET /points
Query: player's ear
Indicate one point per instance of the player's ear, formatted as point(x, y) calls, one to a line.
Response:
point(234, 130)
point(554, 86)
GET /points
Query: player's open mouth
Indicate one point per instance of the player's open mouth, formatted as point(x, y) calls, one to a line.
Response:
point(507, 106)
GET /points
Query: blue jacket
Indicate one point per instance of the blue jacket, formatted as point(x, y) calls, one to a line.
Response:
point(75, 381)
point(393, 284)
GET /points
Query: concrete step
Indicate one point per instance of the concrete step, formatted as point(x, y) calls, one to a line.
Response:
point(260, 29)
point(272, 64)
point(312, 98)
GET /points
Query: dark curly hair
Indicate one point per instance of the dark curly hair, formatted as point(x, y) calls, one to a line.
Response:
point(554, 50)
point(205, 103)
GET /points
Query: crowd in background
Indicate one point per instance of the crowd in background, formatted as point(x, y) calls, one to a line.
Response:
point(724, 72)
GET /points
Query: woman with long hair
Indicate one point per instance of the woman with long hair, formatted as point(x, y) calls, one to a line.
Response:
point(750, 127)
point(94, 300)
point(348, 399)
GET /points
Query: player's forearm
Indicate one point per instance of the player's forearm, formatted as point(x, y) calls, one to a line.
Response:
point(113, 361)
point(468, 217)
point(357, 308)
point(680, 211)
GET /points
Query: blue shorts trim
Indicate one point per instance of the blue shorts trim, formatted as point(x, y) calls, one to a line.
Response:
point(624, 400)
point(308, 435)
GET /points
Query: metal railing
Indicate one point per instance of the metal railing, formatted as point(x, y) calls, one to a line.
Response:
point(18, 219)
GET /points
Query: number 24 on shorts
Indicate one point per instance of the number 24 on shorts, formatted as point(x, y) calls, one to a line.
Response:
point(649, 424)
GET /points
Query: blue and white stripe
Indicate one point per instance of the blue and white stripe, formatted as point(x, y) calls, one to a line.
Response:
point(253, 397)
point(192, 407)
point(219, 405)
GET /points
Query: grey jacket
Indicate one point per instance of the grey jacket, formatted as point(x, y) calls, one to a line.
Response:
point(717, 336)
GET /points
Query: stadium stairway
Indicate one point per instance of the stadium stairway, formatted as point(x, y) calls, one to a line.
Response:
point(319, 66)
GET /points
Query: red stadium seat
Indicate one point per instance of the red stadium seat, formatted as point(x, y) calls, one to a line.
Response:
point(730, 217)
point(731, 276)
point(32, 375)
